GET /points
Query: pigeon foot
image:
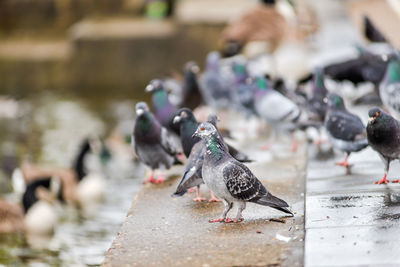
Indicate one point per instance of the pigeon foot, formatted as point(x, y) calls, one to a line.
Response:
point(383, 181)
point(295, 145)
point(150, 180)
point(396, 181)
point(216, 220)
point(160, 180)
point(265, 147)
point(199, 199)
point(229, 220)
point(181, 157)
point(214, 199)
point(344, 164)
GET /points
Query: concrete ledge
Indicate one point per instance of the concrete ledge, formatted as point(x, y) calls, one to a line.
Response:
point(163, 231)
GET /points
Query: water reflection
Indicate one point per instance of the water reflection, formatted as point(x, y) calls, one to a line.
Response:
point(47, 129)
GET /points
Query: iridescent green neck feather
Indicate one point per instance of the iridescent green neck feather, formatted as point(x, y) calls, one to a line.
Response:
point(394, 71)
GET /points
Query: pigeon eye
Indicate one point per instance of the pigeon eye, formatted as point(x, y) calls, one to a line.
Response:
point(202, 128)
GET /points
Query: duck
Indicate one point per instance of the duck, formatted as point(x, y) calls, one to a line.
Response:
point(82, 185)
point(38, 213)
point(90, 181)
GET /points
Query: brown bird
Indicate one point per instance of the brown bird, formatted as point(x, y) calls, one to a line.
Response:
point(263, 23)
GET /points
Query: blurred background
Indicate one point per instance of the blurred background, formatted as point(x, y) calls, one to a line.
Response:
point(72, 69)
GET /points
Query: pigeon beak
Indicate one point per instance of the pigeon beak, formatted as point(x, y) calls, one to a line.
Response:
point(177, 119)
point(196, 134)
point(139, 112)
point(149, 88)
point(371, 119)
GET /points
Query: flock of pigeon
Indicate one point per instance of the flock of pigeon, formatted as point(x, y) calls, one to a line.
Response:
point(161, 137)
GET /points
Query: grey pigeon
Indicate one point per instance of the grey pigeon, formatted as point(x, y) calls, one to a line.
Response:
point(152, 142)
point(243, 89)
point(345, 130)
point(195, 149)
point(389, 88)
point(277, 110)
point(383, 133)
point(192, 97)
point(214, 84)
point(318, 102)
point(231, 180)
point(163, 109)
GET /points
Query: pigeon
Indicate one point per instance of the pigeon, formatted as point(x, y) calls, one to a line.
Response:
point(372, 33)
point(345, 130)
point(389, 88)
point(277, 110)
point(318, 103)
point(231, 180)
point(188, 125)
point(243, 96)
point(163, 109)
point(214, 85)
point(192, 176)
point(383, 132)
point(152, 143)
point(192, 97)
point(367, 67)
point(195, 147)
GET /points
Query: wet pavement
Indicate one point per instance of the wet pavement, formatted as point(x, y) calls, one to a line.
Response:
point(164, 231)
point(350, 221)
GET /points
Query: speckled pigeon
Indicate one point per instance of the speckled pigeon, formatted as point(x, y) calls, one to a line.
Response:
point(383, 133)
point(196, 149)
point(152, 142)
point(231, 180)
point(345, 130)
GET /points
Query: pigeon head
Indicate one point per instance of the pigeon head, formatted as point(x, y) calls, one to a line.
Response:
point(213, 60)
point(213, 119)
point(192, 67)
point(154, 85)
point(335, 101)
point(141, 107)
point(377, 115)
point(182, 115)
point(205, 130)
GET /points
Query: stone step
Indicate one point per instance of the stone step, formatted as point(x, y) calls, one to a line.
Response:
point(164, 231)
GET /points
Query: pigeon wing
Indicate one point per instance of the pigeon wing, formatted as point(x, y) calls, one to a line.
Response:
point(167, 142)
point(241, 182)
point(345, 126)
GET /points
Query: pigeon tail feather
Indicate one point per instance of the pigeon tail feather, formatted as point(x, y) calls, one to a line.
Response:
point(273, 202)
